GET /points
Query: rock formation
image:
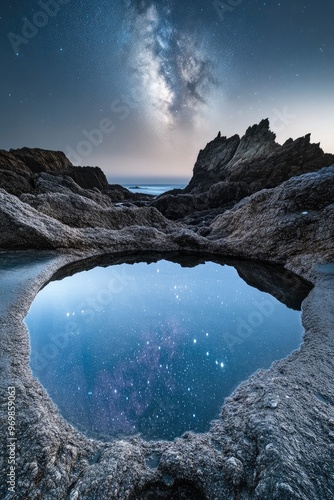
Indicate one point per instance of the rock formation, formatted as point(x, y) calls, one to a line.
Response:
point(228, 170)
point(295, 218)
point(20, 170)
point(249, 198)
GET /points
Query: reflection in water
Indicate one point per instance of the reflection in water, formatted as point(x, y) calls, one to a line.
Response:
point(153, 348)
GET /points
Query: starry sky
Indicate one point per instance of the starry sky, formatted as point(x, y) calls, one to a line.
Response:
point(139, 86)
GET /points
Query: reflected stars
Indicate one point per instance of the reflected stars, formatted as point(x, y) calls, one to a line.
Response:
point(147, 367)
point(220, 364)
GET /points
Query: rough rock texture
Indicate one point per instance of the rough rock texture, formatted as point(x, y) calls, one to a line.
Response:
point(288, 222)
point(294, 218)
point(16, 183)
point(22, 226)
point(79, 211)
point(256, 160)
point(41, 160)
point(275, 437)
point(227, 170)
point(35, 161)
point(8, 161)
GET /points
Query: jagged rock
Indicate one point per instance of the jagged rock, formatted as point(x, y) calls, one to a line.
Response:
point(257, 161)
point(274, 438)
point(228, 170)
point(218, 152)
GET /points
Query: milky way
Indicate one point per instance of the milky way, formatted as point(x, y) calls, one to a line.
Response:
point(168, 74)
point(170, 66)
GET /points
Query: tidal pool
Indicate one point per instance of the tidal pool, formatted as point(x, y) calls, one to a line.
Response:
point(153, 348)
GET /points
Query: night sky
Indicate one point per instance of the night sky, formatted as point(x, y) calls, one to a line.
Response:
point(155, 81)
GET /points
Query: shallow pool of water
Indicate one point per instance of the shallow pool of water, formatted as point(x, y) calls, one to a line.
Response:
point(153, 348)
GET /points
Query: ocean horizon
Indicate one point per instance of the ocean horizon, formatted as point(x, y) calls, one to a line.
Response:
point(153, 189)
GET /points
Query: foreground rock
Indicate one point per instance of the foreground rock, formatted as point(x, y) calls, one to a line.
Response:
point(296, 218)
point(293, 221)
point(24, 227)
point(274, 438)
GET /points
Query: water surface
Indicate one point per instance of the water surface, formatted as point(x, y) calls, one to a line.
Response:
point(153, 348)
point(153, 189)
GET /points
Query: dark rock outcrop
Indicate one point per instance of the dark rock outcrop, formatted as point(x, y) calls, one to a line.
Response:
point(89, 177)
point(228, 170)
point(41, 160)
point(294, 218)
point(31, 161)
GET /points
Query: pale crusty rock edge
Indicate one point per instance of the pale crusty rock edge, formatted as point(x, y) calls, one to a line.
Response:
point(275, 438)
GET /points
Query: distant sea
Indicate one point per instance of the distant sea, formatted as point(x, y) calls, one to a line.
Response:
point(154, 189)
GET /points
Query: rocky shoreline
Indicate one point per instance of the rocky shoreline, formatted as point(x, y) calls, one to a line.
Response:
point(275, 437)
